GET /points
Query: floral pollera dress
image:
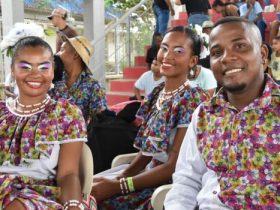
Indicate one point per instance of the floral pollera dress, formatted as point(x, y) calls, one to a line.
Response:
point(29, 151)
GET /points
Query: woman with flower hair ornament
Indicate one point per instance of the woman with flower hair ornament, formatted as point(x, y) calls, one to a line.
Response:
point(39, 137)
point(19, 31)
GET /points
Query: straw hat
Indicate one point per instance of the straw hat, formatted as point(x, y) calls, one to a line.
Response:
point(82, 47)
point(58, 12)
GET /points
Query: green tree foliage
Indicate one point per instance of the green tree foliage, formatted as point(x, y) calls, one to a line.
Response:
point(122, 4)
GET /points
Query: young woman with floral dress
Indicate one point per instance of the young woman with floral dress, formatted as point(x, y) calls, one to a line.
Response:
point(39, 137)
point(166, 115)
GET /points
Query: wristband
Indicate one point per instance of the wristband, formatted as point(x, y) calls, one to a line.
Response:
point(130, 184)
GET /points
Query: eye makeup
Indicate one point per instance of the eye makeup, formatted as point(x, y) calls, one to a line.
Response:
point(28, 67)
point(179, 50)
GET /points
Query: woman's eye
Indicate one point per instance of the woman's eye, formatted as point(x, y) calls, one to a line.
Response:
point(44, 67)
point(163, 47)
point(25, 66)
point(179, 50)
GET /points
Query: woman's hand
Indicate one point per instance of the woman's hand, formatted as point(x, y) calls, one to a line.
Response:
point(105, 188)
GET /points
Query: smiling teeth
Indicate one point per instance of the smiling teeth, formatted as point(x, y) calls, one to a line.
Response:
point(34, 83)
point(232, 71)
point(166, 64)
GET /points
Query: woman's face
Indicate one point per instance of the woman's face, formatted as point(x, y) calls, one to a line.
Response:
point(175, 55)
point(33, 71)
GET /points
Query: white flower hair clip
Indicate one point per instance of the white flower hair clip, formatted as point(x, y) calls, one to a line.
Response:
point(19, 31)
point(204, 38)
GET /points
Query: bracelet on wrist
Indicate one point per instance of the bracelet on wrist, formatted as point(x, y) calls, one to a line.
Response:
point(130, 184)
point(73, 203)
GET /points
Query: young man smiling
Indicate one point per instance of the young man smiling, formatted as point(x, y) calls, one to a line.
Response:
point(230, 156)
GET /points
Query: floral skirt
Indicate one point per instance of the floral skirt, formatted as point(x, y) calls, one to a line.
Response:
point(34, 194)
point(139, 200)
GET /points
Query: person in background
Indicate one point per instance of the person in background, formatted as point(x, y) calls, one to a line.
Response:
point(161, 9)
point(58, 18)
point(166, 115)
point(153, 50)
point(203, 78)
point(78, 84)
point(252, 11)
point(207, 27)
point(229, 158)
point(226, 9)
point(39, 137)
point(274, 65)
point(198, 10)
point(148, 81)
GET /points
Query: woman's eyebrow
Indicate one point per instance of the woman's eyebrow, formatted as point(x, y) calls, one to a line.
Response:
point(45, 62)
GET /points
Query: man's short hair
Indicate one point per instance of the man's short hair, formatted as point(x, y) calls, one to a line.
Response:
point(241, 20)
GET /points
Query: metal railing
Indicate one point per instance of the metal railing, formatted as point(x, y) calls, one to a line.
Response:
point(126, 37)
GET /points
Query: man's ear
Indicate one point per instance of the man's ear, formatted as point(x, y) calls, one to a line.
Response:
point(264, 54)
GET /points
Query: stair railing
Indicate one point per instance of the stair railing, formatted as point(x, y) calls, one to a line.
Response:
point(122, 40)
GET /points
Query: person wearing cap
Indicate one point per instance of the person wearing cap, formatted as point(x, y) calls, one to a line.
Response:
point(78, 84)
point(207, 27)
point(58, 18)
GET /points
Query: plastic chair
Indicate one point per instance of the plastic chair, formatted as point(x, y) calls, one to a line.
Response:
point(86, 169)
point(159, 194)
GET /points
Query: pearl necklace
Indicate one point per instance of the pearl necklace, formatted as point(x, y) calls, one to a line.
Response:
point(39, 106)
point(163, 95)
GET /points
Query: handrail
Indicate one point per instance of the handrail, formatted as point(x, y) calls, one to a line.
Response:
point(122, 19)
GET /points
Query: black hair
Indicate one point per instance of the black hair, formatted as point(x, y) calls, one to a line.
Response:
point(241, 20)
point(218, 3)
point(64, 17)
point(157, 34)
point(29, 41)
point(192, 35)
point(231, 19)
point(277, 38)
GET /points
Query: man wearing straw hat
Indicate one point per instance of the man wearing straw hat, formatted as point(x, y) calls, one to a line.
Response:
point(78, 84)
point(58, 18)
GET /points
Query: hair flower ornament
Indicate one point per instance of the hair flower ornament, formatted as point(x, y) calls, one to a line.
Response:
point(204, 39)
point(19, 31)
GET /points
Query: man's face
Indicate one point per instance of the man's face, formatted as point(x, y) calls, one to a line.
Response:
point(55, 20)
point(237, 56)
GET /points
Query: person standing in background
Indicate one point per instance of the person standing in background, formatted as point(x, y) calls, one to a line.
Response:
point(58, 18)
point(161, 10)
point(198, 10)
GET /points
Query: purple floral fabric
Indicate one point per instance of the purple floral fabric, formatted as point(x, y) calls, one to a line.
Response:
point(243, 148)
point(25, 139)
point(154, 133)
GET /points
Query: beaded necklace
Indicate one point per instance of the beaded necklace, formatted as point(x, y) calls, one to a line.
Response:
point(36, 107)
point(163, 95)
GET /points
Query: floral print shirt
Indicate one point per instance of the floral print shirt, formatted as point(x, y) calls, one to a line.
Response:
point(86, 93)
point(243, 148)
point(154, 134)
